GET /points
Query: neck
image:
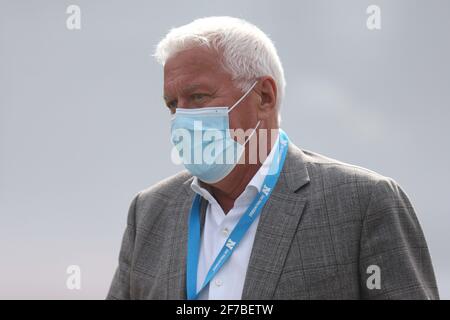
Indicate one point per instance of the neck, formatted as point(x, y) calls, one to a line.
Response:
point(230, 188)
point(226, 194)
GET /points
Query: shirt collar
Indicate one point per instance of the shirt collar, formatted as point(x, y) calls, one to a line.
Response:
point(256, 182)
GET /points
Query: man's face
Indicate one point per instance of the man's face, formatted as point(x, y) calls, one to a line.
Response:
point(194, 78)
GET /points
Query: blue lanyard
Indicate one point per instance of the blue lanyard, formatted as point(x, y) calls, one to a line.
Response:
point(239, 230)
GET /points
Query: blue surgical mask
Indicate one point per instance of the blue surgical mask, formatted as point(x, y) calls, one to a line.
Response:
point(202, 138)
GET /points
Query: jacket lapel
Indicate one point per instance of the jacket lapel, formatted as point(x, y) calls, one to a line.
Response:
point(176, 281)
point(177, 260)
point(276, 229)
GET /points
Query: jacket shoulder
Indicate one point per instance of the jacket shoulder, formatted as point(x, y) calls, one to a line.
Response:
point(167, 188)
point(351, 189)
point(150, 202)
point(330, 171)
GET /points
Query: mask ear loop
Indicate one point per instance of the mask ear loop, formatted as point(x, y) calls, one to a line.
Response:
point(251, 135)
point(243, 97)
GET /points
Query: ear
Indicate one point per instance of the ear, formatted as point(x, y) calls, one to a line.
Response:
point(267, 90)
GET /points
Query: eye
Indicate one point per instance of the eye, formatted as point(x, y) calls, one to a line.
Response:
point(198, 96)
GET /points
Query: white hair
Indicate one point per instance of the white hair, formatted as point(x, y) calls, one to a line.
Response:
point(247, 52)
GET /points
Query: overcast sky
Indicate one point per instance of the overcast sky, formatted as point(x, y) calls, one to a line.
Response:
point(83, 126)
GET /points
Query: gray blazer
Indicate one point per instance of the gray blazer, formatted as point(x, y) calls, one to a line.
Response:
point(324, 226)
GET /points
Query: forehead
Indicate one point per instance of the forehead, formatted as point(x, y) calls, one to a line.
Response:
point(193, 66)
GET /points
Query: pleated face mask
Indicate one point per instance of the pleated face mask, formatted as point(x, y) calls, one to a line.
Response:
point(204, 143)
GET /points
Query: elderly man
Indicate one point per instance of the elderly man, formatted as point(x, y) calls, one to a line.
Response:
point(292, 224)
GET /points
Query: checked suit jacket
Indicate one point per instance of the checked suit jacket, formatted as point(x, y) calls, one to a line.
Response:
point(324, 227)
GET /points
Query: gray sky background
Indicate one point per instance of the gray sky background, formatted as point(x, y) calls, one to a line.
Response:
point(83, 126)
